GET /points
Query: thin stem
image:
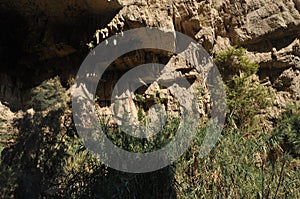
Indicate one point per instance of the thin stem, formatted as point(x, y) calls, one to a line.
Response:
point(263, 179)
point(281, 176)
point(270, 182)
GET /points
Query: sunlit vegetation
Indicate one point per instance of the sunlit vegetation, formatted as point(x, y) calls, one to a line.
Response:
point(250, 160)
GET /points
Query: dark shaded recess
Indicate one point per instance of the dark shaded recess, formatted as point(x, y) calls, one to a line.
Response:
point(157, 184)
point(280, 38)
point(272, 74)
point(12, 35)
point(22, 38)
point(75, 32)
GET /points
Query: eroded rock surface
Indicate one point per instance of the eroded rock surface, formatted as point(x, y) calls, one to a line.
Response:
point(268, 29)
point(45, 39)
point(40, 40)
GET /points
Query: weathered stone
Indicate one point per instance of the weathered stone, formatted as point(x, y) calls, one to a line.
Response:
point(289, 81)
point(7, 131)
point(281, 59)
point(40, 38)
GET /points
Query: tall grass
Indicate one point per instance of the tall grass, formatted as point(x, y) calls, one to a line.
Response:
point(250, 160)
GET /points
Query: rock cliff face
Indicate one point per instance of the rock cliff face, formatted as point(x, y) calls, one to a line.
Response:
point(40, 40)
point(44, 39)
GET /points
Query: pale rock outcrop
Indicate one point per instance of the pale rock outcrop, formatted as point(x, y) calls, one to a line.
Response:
point(7, 130)
point(280, 59)
point(267, 28)
point(6, 125)
point(289, 81)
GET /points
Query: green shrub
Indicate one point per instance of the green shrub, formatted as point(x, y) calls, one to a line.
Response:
point(245, 96)
point(246, 99)
point(130, 143)
point(233, 62)
point(50, 94)
point(287, 131)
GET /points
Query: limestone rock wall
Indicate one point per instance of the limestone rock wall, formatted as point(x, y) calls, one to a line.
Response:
point(269, 29)
point(43, 39)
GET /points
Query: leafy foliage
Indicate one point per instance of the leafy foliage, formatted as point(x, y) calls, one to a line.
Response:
point(245, 96)
point(249, 161)
point(233, 62)
point(48, 159)
point(50, 94)
point(130, 143)
point(246, 99)
point(287, 131)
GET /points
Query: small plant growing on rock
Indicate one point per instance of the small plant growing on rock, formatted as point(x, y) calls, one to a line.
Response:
point(233, 62)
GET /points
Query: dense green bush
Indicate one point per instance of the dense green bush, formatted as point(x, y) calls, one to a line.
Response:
point(233, 62)
point(246, 98)
point(50, 94)
point(130, 143)
point(47, 159)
